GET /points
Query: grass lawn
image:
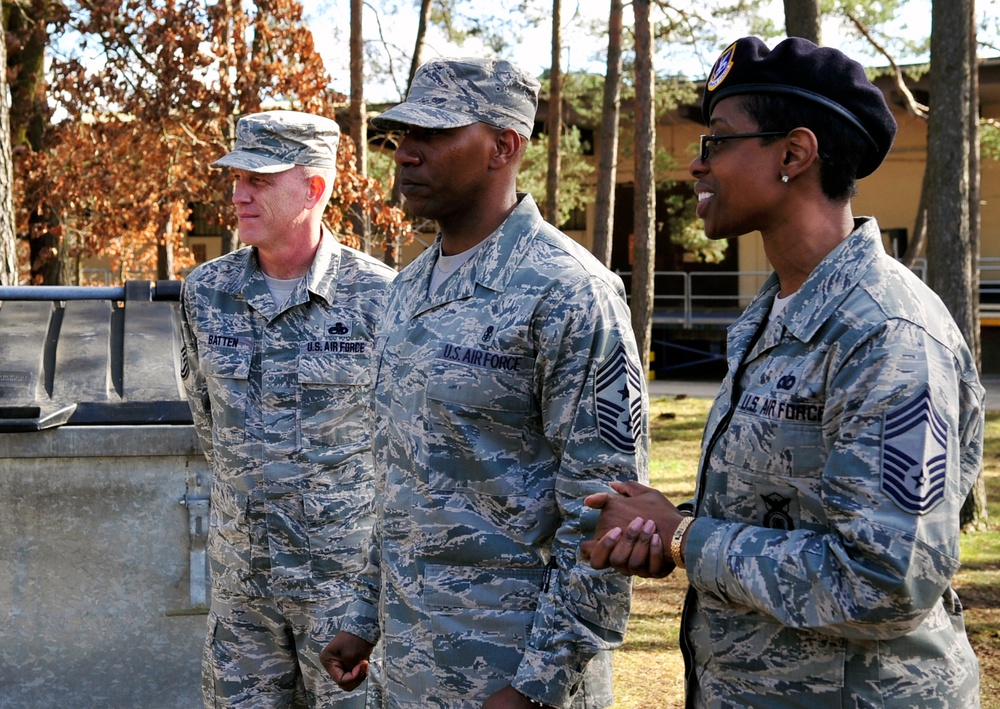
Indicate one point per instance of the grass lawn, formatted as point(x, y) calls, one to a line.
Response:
point(649, 669)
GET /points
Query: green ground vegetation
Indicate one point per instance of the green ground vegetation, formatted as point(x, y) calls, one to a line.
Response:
point(649, 669)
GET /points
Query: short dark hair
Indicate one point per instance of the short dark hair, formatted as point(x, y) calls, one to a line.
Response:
point(841, 145)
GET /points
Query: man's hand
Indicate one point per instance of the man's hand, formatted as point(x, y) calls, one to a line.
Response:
point(508, 698)
point(626, 538)
point(346, 660)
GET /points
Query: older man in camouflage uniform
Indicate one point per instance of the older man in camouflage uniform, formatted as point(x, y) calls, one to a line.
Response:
point(848, 431)
point(508, 387)
point(278, 343)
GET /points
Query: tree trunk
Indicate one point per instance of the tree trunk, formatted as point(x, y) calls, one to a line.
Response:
point(555, 118)
point(8, 240)
point(418, 45)
point(803, 19)
point(645, 186)
point(359, 132)
point(165, 251)
point(918, 240)
point(975, 514)
point(228, 68)
point(29, 111)
point(607, 169)
point(949, 249)
point(29, 118)
point(392, 249)
point(951, 253)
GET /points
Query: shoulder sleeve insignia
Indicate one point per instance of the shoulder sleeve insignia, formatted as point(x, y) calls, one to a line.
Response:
point(914, 455)
point(619, 401)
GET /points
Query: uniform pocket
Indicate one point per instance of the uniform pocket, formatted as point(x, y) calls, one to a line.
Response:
point(228, 373)
point(481, 618)
point(339, 522)
point(229, 538)
point(767, 658)
point(476, 430)
point(776, 472)
point(334, 406)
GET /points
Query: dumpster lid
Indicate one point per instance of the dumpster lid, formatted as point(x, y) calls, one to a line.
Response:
point(83, 355)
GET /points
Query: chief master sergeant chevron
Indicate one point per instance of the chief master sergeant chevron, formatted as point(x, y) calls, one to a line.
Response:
point(508, 386)
point(278, 343)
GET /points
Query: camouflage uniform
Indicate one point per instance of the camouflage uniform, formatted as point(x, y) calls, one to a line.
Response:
point(502, 399)
point(835, 461)
point(280, 399)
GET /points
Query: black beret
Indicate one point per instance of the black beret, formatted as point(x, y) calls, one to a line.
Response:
point(798, 67)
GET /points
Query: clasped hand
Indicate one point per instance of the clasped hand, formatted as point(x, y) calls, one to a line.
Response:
point(631, 530)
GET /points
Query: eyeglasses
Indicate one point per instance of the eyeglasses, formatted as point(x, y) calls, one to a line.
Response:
point(707, 140)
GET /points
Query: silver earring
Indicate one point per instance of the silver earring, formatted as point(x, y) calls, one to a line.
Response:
point(784, 178)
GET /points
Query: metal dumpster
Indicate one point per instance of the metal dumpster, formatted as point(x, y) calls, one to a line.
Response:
point(103, 502)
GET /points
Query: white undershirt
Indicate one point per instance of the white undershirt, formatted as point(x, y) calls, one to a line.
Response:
point(447, 265)
point(281, 288)
point(778, 306)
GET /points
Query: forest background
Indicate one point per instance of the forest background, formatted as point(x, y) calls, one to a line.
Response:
point(118, 107)
point(112, 110)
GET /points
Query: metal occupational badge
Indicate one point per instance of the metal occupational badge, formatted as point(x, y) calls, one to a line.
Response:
point(914, 455)
point(619, 401)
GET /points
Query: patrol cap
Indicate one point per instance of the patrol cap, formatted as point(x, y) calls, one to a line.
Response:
point(275, 141)
point(456, 92)
point(798, 67)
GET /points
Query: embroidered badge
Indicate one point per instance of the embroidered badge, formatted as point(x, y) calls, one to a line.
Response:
point(484, 359)
point(776, 510)
point(229, 342)
point(335, 347)
point(914, 455)
point(619, 401)
point(721, 69)
point(339, 328)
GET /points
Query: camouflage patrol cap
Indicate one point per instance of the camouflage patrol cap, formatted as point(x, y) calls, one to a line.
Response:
point(450, 93)
point(275, 141)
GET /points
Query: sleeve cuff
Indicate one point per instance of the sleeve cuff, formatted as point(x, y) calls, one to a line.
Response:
point(705, 550)
point(545, 681)
point(361, 619)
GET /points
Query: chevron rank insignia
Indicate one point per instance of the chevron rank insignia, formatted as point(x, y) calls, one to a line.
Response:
point(619, 401)
point(915, 455)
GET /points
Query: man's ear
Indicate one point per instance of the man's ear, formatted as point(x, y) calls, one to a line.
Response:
point(508, 146)
point(801, 151)
point(316, 186)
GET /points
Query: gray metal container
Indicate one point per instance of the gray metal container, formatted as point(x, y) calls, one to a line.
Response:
point(103, 502)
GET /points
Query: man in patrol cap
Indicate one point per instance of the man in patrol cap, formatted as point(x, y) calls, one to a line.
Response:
point(277, 340)
point(509, 387)
point(848, 431)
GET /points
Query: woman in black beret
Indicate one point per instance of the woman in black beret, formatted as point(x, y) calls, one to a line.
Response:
point(823, 536)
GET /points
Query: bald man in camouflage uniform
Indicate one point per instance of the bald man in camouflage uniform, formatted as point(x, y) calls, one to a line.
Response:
point(508, 386)
point(278, 342)
point(847, 433)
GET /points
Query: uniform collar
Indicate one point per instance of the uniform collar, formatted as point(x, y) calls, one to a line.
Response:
point(833, 279)
point(495, 264)
point(819, 298)
point(320, 279)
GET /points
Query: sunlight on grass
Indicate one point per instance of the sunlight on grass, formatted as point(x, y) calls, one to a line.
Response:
point(649, 670)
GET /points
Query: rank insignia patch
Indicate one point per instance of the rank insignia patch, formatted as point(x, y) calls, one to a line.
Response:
point(619, 401)
point(914, 455)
